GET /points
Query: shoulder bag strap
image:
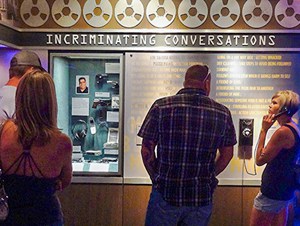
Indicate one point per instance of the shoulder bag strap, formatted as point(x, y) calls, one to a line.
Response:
point(1, 128)
point(1, 171)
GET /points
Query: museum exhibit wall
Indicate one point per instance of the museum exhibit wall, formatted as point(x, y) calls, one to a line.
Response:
point(133, 52)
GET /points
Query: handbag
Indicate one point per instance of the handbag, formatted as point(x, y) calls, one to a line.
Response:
point(4, 210)
point(297, 174)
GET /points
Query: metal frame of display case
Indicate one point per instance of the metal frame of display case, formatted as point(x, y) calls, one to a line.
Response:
point(92, 176)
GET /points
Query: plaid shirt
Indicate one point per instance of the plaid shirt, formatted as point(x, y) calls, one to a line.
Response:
point(188, 127)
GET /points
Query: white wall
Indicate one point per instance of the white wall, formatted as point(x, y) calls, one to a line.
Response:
point(5, 56)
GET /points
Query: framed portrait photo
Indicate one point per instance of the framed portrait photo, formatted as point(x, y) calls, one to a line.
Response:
point(82, 84)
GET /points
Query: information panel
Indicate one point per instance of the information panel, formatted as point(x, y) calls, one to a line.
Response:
point(243, 82)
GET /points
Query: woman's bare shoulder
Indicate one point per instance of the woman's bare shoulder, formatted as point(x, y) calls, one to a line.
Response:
point(9, 132)
point(283, 132)
point(286, 131)
point(285, 136)
point(63, 141)
point(9, 124)
point(64, 137)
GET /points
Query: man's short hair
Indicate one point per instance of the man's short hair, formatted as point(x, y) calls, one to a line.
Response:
point(18, 71)
point(197, 72)
point(81, 78)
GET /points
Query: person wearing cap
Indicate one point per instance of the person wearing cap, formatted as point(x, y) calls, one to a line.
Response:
point(21, 63)
point(194, 136)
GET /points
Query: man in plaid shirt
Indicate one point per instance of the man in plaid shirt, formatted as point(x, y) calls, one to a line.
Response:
point(188, 129)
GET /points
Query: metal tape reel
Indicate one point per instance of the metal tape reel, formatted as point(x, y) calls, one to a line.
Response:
point(35, 14)
point(66, 15)
point(257, 21)
point(189, 20)
point(281, 13)
point(168, 10)
point(132, 20)
point(97, 15)
point(228, 20)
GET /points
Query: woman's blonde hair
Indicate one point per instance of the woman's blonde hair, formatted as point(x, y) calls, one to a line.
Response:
point(36, 108)
point(288, 99)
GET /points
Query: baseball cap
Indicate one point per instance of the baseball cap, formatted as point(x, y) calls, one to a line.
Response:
point(26, 58)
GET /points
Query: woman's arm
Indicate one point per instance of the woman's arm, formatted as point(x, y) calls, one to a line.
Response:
point(281, 139)
point(65, 176)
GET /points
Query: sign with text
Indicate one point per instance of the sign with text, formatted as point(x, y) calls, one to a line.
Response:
point(243, 82)
point(167, 40)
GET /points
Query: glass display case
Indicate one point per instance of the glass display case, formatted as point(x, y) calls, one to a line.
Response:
point(89, 93)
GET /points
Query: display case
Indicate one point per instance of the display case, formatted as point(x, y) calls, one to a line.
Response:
point(89, 93)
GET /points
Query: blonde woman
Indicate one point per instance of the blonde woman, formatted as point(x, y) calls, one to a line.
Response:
point(34, 155)
point(280, 153)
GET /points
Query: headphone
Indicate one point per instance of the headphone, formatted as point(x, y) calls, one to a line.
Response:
point(283, 110)
point(79, 129)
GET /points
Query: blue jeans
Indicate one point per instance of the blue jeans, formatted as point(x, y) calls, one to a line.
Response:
point(160, 213)
point(265, 204)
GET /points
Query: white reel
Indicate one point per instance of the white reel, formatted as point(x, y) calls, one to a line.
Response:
point(257, 15)
point(97, 14)
point(161, 14)
point(225, 15)
point(66, 14)
point(192, 15)
point(35, 14)
point(129, 15)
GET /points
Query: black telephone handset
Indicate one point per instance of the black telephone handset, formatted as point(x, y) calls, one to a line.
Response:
point(284, 110)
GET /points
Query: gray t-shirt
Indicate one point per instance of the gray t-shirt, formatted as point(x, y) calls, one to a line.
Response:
point(7, 102)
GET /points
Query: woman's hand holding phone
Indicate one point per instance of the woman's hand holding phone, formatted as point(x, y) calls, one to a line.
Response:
point(267, 122)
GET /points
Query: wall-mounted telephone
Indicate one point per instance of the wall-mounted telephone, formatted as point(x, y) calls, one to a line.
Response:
point(245, 138)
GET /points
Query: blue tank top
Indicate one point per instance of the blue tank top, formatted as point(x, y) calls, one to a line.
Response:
point(32, 200)
point(278, 178)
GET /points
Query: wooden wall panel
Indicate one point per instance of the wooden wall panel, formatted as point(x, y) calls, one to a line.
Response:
point(92, 205)
point(249, 193)
point(116, 205)
point(135, 204)
point(232, 205)
point(227, 207)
